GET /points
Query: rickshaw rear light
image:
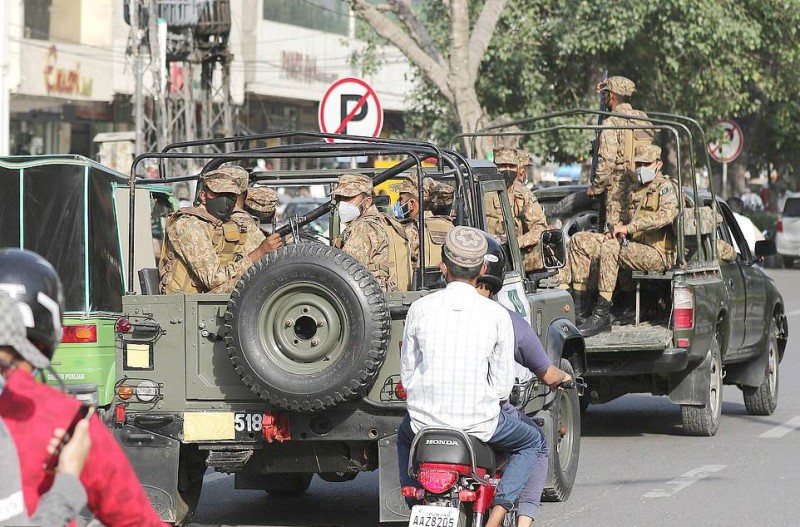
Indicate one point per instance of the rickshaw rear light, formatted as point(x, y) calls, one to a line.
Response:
point(435, 480)
point(123, 325)
point(79, 334)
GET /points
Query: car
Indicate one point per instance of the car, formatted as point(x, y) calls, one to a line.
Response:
point(787, 237)
point(297, 371)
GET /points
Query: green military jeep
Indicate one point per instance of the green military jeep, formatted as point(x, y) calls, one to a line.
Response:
point(296, 372)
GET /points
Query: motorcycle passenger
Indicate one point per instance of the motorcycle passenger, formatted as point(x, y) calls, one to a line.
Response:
point(529, 356)
point(457, 364)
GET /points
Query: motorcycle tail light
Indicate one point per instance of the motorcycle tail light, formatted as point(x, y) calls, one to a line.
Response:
point(467, 495)
point(435, 480)
point(412, 492)
point(683, 308)
point(400, 391)
point(79, 334)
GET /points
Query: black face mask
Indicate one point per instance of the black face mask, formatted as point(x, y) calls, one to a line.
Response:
point(221, 207)
point(508, 176)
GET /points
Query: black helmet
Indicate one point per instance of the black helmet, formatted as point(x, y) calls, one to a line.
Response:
point(495, 266)
point(33, 283)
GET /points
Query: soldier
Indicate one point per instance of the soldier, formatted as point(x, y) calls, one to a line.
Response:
point(528, 215)
point(260, 203)
point(204, 250)
point(436, 227)
point(374, 239)
point(523, 165)
point(439, 197)
point(652, 208)
point(617, 147)
point(254, 236)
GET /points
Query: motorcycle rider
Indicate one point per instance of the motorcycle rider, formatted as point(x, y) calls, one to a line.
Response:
point(529, 356)
point(32, 411)
point(457, 364)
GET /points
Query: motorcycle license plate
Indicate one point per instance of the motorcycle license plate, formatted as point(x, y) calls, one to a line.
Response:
point(427, 516)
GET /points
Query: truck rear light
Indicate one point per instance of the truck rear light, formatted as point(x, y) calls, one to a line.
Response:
point(147, 391)
point(125, 392)
point(780, 226)
point(400, 391)
point(683, 308)
point(123, 325)
point(436, 480)
point(683, 343)
point(79, 334)
point(119, 414)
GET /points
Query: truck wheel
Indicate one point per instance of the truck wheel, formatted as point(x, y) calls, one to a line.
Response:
point(307, 328)
point(764, 399)
point(564, 441)
point(191, 468)
point(704, 420)
point(287, 485)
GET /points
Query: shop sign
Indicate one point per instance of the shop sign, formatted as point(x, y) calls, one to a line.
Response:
point(64, 81)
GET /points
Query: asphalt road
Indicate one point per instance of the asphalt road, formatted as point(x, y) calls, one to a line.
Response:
point(636, 468)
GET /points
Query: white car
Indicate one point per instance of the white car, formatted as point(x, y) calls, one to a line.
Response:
point(787, 238)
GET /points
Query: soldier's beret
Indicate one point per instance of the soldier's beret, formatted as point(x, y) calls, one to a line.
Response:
point(350, 185)
point(465, 246)
point(620, 85)
point(647, 154)
point(505, 156)
point(229, 180)
point(261, 199)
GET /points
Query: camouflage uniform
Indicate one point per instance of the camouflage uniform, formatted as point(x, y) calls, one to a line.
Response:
point(725, 251)
point(201, 253)
point(436, 227)
point(439, 196)
point(372, 238)
point(651, 246)
point(615, 153)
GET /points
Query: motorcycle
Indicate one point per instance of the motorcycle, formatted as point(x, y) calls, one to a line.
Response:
point(458, 474)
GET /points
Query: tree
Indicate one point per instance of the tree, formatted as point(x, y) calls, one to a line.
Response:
point(450, 65)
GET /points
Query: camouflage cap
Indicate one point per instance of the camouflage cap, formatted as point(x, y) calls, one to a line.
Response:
point(261, 199)
point(466, 246)
point(505, 156)
point(407, 185)
point(647, 154)
point(523, 158)
point(620, 85)
point(350, 185)
point(230, 180)
point(438, 193)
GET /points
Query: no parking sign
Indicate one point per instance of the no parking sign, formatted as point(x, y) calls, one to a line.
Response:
point(350, 106)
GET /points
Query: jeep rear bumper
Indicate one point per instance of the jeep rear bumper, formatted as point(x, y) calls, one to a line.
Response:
point(636, 362)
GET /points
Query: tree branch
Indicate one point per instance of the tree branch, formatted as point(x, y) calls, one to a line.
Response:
point(435, 72)
point(405, 12)
point(482, 34)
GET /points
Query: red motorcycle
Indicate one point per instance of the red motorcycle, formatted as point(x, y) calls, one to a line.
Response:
point(458, 475)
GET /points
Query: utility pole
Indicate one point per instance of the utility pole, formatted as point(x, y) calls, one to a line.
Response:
point(138, 99)
point(4, 70)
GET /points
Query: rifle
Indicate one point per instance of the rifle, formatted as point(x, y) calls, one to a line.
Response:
point(325, 208)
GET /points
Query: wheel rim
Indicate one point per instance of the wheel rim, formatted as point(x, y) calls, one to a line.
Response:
point(715, 390)
point(302, 328)
point(772, 366)
point(566, 434)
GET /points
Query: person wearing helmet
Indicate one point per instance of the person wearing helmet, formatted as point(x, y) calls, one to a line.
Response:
point(32, 411)
point(529, 356)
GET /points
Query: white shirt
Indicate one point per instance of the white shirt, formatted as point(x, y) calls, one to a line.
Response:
point(457, 360)
point(749, 231)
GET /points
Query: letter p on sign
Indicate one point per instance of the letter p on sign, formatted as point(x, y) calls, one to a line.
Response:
point(350, 107)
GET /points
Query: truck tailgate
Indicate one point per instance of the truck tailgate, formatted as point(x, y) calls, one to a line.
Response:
point(642, 337)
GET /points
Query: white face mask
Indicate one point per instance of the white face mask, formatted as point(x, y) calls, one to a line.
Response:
point(646, 174)
point(348, 212)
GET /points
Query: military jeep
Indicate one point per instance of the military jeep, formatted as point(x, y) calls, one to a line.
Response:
point(296, 372)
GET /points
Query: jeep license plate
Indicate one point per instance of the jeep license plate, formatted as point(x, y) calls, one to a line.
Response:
point(427, 516)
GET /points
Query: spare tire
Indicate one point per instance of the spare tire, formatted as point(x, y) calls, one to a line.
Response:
point(307, 328)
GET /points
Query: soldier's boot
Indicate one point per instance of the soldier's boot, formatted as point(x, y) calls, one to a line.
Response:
point(624, 311)
point(583, 305)
point(599, 321)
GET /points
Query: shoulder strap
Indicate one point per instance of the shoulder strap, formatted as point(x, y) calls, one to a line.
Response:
point(198, 212)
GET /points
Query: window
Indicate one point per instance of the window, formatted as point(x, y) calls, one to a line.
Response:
point(792, 207)
point(37, 19)
point(331, 16)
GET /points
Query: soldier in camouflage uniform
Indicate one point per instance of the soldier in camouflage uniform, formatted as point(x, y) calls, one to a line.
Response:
point(616, 150)
point(653, 206)
point(438, 197)
point(528, 215)
point(205, 251)
point(375, 239)
point(436, 227)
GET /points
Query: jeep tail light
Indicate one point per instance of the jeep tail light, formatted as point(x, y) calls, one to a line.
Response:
point(79, 334)
point(400, 391)
point(683, 308)
point(780, 226)
point(119, 414)
point(436, 480)
point(125, 392)
point(123, 325)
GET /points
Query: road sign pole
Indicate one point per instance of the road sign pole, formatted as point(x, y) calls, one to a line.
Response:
point(724, 192)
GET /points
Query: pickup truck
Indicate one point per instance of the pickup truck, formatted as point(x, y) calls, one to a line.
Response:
point(701, 325)
point(296, 372)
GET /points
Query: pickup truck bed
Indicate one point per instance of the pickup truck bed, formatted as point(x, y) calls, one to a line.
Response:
point(642, 337)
